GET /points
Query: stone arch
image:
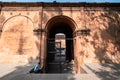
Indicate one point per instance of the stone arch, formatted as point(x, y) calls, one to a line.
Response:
point(15, 17)
point(60, 24)
point(61, 18)
point(17, 37)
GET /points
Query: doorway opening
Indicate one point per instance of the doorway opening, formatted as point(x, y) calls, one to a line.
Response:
point(60, 49)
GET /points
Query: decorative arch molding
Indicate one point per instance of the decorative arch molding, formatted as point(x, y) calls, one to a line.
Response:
point(17, 31)
point(61, 18)
point(15, 17)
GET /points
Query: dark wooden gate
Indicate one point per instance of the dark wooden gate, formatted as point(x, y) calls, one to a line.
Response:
point(56, 58)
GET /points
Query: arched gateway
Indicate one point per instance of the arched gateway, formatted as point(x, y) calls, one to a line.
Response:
point(90, 32)
point(55, 56)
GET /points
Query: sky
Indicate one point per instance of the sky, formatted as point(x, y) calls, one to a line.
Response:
point(113, 1)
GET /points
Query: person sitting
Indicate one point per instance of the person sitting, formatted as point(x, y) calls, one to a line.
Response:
point(37, 69)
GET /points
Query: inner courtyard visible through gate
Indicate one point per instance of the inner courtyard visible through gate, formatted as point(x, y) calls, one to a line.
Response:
point(62, 36)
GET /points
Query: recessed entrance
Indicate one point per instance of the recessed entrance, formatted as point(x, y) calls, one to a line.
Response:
point(60, 49)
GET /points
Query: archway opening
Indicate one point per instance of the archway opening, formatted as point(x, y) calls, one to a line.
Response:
point(60, 46)
point(63, 31)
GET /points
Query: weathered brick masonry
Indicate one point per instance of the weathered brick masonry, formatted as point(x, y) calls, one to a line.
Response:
point(25, 27)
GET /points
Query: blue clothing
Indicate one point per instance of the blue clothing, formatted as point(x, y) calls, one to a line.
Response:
point(37, 68)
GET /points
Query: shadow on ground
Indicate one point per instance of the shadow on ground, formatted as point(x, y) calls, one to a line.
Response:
point(106, 71)
point(22, 73)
